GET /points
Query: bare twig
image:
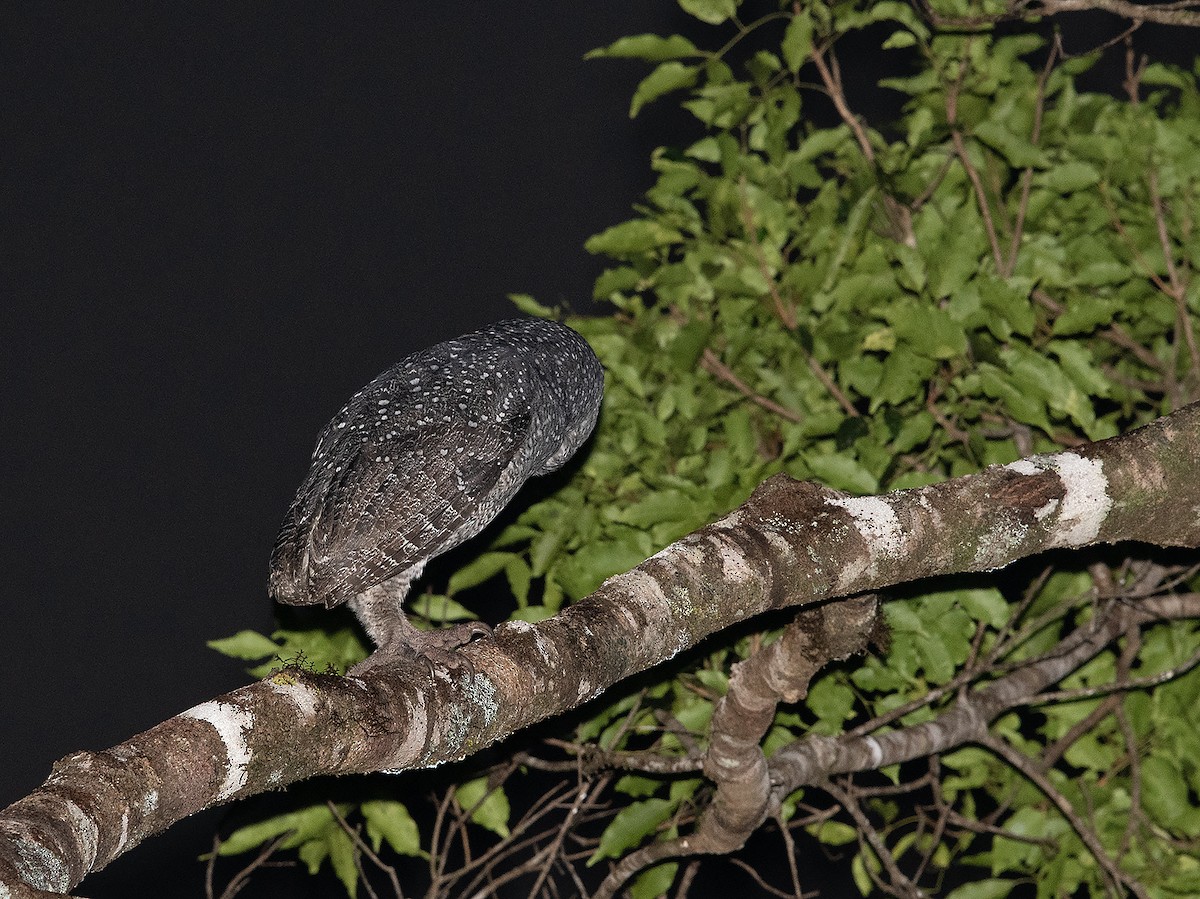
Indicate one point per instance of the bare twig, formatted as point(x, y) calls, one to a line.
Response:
point(1117, 878)
point(713, 365)
point(1039, 110)
point(960, 148)
point(900, 884)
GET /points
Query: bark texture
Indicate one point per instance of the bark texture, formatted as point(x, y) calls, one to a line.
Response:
point(792, 543)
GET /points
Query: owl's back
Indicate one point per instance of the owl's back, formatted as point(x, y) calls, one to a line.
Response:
point(424, 456)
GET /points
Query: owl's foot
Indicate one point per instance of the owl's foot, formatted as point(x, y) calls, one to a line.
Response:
point(436, 647)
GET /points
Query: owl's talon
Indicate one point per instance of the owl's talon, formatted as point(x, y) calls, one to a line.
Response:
point(437, 648)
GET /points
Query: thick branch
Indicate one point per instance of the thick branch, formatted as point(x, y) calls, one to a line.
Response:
point(792, 543)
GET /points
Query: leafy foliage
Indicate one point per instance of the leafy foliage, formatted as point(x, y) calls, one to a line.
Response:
point(1007, 268)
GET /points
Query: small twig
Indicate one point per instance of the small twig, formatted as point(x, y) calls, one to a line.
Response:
point(713, 365)
point(898, 215)
point(239, 881)
point(1029, 768)
point(1138, 683)
point(685, 879)
point(789, 852)
point(1039, 110)
point(786, 314)
point(365, 849)
point(762, 884)
point(581, 794)
point(833, 88)
point(900, 884)
point(960, 148)
point(1180, 13)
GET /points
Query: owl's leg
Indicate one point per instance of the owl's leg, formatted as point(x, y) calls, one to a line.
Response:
point(381, 612)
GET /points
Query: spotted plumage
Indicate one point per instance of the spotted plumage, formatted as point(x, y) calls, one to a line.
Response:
point(422, 458)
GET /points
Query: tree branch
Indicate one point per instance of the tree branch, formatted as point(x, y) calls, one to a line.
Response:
point(791, 544)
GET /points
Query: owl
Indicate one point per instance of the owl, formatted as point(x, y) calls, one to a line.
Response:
point(421, 459)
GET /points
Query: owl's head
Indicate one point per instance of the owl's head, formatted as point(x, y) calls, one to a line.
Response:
point(571, 384)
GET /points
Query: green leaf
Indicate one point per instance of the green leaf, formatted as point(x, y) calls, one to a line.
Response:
point(1069, 177)
point(797, 40)
point(650, 47)
point(1017, 151)
point(831, 701)
point(842, 472)
point(482, 568)
point(342, 855)
point(440, 609)
point(492, 810)
point(632, 238)
point(1165, 797)
point(302, 825)
point(833, 833)
point(631, 826)
point(928, 330)
point(714, 12)
point(666, 77)
point(689, 344)
point(319, 649)
point(663, 505)
point(985, 604)
point(585, 569)
point(991, 888)
point(654, 881)
point(389, 820)
point(530, 306)
point(637, 786)
point(245, 645)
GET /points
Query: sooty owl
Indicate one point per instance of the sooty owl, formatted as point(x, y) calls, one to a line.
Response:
point(421, 459)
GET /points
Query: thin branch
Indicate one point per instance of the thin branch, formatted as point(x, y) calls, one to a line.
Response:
point(365, 849)
point(900, 884)
point(1022, 763)
point(713, 365)
point(960, 148)
point(1138, 683)
point(1039, 110)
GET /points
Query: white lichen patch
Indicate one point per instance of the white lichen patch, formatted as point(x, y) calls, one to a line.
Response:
point(124, 836)
point(1024, 466)
point(687, 550)
point(481, 691)
point(1086, 504)
point(543, 646)
point(995, 548)
point(778, 543)
point(299, 695)
point(230, 722)
point(40, 867)
point(1044, 512)
point(87, 834)
point(734, 566)
point(876, 521)
point(414, 736)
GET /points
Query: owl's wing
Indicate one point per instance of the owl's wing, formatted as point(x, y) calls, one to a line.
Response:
point(396, 502)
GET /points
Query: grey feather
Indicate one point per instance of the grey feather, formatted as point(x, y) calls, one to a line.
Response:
point(429, 452)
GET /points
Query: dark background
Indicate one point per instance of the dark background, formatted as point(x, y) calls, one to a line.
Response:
point(217, 225)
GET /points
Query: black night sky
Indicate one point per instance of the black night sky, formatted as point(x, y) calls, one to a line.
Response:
point(219, 221)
